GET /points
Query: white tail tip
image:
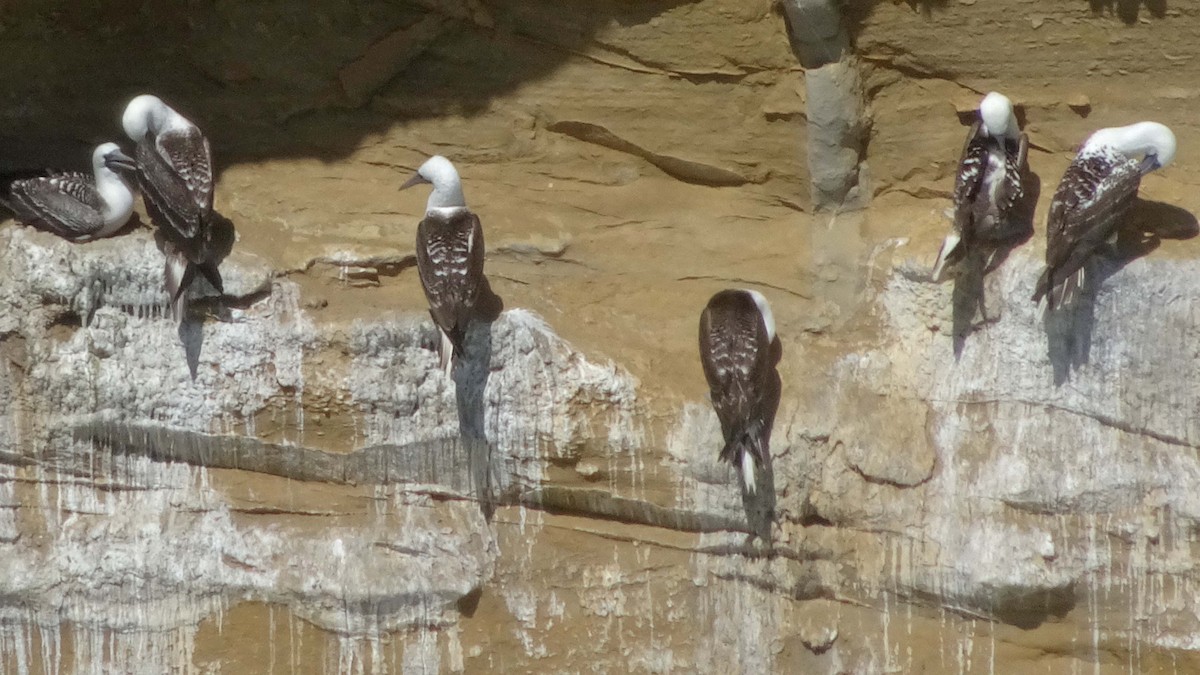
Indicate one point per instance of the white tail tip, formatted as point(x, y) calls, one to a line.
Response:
point(948, 246)
point(748, 476)
point(173, 273)
point(446, 352)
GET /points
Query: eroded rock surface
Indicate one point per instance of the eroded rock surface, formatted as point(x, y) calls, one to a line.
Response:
point(287, 483)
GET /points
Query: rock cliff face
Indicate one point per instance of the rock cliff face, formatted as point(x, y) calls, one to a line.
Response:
point(287, 483)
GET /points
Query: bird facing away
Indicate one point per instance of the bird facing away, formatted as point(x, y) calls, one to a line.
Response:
point(988, 185)
point(449, 256)
point(76, 206)
point(737, 329)
point(1092, 199)
point(175, 175)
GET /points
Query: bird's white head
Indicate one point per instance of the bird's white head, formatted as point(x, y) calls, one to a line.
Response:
point(143, 114)
point(998, 117)
point(764, 308)
point(447, 187)
point(108, 157)
point(1152, 141)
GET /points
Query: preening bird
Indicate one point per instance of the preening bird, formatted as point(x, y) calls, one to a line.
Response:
point(988, 185)
point(737, 329)
point(449, 256)
point(1092, 200)
point(77, 206)
point(176, 177)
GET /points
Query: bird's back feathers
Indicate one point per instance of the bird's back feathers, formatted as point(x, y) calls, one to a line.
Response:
point(450, 252)
point(735, 354)
point(67, 204)
point(1087, 210)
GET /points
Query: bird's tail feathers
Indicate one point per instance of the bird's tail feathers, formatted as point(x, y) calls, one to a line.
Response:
point(446, 353)
point(749, 479)
point(454, 346)
point(1058, 290)
point(950, 253)
point(747, 451)
point(1070, 286)
point(177, 274)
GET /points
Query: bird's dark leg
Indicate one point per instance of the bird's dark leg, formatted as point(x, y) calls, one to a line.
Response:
point(213, 274)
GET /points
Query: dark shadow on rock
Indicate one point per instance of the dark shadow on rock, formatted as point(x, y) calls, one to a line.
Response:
point(265, 81)
point(1157, 220)
point(29, 157)
point(1028, 608)
point(1128, 10)
point(967, 299)
point(435, 464)
point(1069, 327)
point(926, 7)
point(224, 234)
point(468, 603)
point(191, 336)
point(857, 12)
point(969, 305)
point(760, 505)
point(470, 374)
point(489, 305)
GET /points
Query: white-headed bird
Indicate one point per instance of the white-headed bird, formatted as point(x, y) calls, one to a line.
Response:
point(449, 256)
point(988, 187)
point(77, 206)
point(1093, 198)
point(737, 330)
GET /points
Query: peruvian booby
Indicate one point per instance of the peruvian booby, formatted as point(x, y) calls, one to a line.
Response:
point(449, 255)
point(77, 206)
point(989, 182)
point(737, 330)
point(1092, 199)
point(175, 174)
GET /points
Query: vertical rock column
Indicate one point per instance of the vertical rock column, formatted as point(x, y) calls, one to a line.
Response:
point(837, 126)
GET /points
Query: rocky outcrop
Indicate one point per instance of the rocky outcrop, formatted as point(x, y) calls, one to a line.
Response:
point(112, 437)
point(288, 483)
point(835, 105)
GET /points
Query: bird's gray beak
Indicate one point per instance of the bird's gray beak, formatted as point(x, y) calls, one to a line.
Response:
point(1149, 163)
point(417, 179)
point(119, 161)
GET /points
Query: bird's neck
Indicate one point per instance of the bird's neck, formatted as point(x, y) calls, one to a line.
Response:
point(117, 196)
point(445, 212)
point(447, 194)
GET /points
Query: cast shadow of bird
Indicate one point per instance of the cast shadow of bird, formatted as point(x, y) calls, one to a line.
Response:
point(204, 299)
point(1129, 11)
point(969, 304)
point(1069, 328)
point(759, 505)
point(470, 384)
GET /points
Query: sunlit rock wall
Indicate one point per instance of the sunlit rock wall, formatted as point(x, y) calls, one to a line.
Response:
point(287, 482)
point(133, 552)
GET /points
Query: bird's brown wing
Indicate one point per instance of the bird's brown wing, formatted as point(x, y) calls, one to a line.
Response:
point(175, 174)
point(735, 356)
point(1087, 209)
point(66, 204)
point(450, 254)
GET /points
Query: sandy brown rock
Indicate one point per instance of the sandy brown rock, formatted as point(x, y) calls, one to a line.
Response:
point(1021, 501)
